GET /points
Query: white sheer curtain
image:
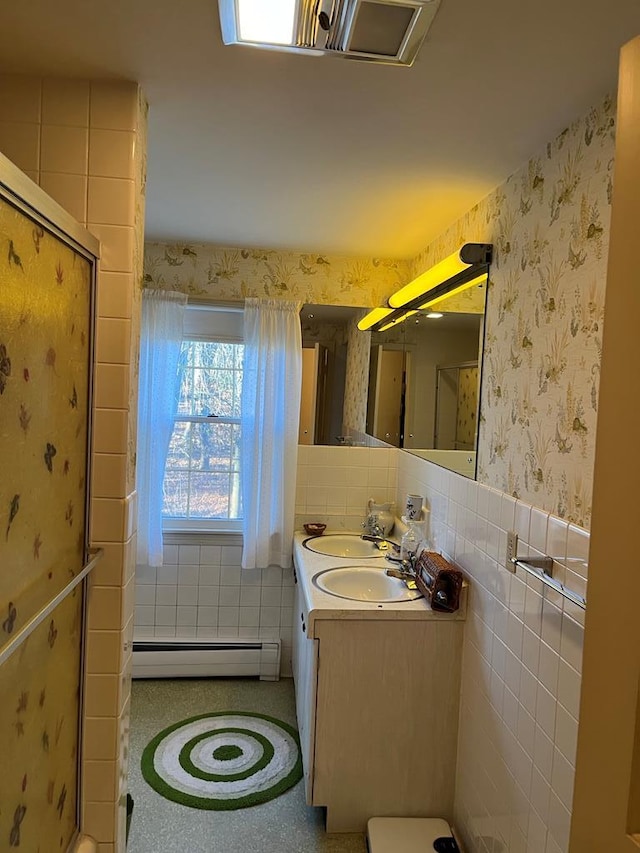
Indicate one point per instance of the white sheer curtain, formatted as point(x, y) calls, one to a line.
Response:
point(270, 413)
point(160, 341)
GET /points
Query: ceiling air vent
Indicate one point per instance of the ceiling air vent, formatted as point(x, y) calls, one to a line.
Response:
point(389, 31)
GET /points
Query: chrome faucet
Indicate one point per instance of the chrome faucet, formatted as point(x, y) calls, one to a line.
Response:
point(406, 575)
point(381, 543)
point(373, 528)
point(406, 570)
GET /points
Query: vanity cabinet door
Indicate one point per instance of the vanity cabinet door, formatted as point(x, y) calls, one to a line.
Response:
point(386, 719)
point(305, 677)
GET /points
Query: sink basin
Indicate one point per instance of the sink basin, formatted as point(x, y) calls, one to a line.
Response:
point(361, 583)
point(342, 545)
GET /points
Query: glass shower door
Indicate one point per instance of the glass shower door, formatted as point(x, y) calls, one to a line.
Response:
point(46, 286)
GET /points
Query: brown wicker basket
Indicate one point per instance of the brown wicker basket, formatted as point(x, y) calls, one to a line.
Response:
point(439, 581)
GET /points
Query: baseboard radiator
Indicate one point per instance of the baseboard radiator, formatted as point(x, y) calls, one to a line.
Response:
point(157, 658)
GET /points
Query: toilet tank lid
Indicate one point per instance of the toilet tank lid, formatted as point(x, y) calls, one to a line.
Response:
point(405, 834)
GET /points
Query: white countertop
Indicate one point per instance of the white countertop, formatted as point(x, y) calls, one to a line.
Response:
point(318, 604)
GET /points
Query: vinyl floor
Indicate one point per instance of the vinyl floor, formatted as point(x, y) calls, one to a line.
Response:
point(283, 825)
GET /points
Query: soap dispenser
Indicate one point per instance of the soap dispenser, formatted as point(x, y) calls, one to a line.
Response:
point(411, 541)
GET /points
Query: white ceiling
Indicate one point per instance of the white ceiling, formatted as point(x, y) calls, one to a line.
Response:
point(255, 148)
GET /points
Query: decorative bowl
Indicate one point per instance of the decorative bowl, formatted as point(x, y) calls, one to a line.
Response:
point(315, 528)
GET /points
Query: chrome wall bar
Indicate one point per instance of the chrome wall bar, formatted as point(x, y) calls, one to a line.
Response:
point(542, 569)
point(30, 626)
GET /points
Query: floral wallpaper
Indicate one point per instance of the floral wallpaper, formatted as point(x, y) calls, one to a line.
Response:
point(45, 327)
point(211, 272)
point(467, 408)
point(549, 223)
point(356, 386)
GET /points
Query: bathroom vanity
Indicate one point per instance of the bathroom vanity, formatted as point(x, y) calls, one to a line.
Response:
point(377, 692)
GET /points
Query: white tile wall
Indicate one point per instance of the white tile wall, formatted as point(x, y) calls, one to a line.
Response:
point(335, 483)
point(201, 591)
point(521, 668)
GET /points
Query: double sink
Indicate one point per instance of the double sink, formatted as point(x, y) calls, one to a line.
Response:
point(357, 582)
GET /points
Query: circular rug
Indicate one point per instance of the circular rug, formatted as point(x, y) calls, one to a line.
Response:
point(223, 761)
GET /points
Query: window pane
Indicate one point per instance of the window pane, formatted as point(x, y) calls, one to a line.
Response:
point(223, 356)
point(203, 464)
point(214, 384)
point(179, 448)
point(176, 493)
point(187, 354)
point(215, 447)
point(222, 396)
point(203, 353)
point(213, 392)
point(186, 392)
point(204, 382)
point(209, 496)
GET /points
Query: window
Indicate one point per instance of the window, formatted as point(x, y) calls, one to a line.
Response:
point(202, 473)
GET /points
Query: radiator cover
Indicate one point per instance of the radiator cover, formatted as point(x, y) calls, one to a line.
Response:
point(157, 658)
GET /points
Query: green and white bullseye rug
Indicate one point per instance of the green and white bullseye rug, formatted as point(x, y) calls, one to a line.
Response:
point(223, 761)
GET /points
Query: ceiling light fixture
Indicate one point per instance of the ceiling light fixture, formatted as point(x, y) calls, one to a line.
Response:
point(468, 267)
point(270, 22)
point(389, 31)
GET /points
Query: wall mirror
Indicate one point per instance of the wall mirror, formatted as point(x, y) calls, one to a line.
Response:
point(325, 345)
point(420, 387)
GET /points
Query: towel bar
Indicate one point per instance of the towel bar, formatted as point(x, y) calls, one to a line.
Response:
point(542, 569)
point(7, 650)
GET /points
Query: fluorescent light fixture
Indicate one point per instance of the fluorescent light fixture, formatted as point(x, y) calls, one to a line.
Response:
point(397, 320)
point(266, 22)
point(454, 290)
point(466, 268)
point(457, 264)
point(373, 317)
point(428, 280)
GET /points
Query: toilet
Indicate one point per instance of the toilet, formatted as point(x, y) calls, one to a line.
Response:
point(410, 835)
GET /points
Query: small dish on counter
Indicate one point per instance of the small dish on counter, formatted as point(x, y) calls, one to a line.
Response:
point(315, 528)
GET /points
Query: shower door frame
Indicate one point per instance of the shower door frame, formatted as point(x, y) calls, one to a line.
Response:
point(19, 191)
